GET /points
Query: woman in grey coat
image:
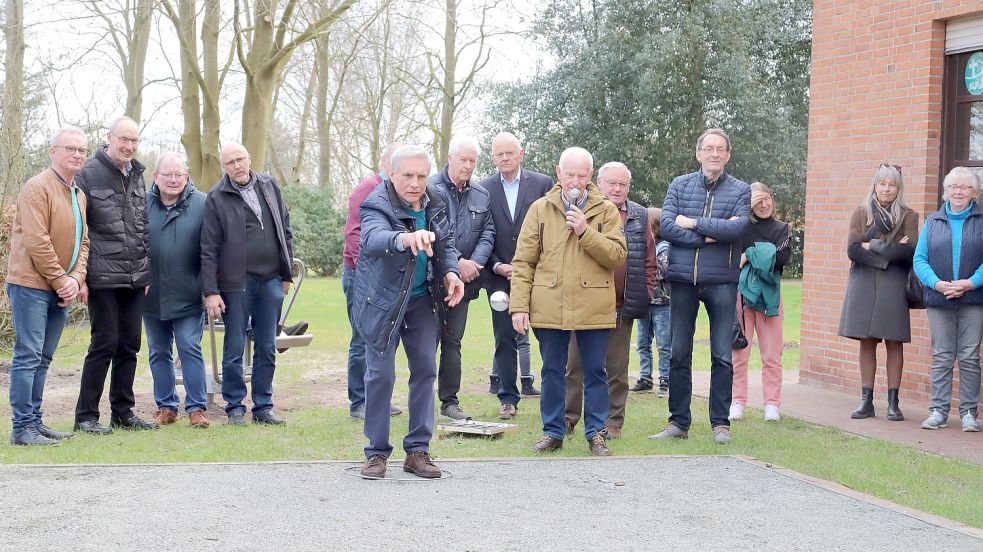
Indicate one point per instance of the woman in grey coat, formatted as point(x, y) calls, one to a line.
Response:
point(881, 243)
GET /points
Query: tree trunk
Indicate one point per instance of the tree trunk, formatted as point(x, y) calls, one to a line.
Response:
point(211, 118)
point(323, 120)
point(448, 89)
point(190, 90)
point(134, 66)
point(304, 117)
point(12, 120)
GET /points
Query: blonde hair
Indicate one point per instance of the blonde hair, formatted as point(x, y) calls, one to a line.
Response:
point(759, 187)
point(898, 206)
point(655, 215)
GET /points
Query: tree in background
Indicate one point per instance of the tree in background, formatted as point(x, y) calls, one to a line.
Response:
point(638, 81)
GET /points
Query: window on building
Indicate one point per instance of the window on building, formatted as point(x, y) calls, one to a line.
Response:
point(962, 116)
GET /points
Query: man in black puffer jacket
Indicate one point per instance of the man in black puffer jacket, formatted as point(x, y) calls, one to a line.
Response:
point(703, 217)
point(118, 276)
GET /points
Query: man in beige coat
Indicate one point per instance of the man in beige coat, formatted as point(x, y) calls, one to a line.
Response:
point(49, 249)
point(563, 280)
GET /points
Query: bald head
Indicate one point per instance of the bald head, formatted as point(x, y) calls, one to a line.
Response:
point(236, 162)
point(507, 154)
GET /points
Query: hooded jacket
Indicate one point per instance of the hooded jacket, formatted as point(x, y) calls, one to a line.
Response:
point(564, 281)
point(175, 255)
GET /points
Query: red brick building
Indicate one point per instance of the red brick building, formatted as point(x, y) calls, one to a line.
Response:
point(888, 85)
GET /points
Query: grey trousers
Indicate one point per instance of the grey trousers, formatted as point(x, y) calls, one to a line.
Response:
point(956, 335)
point(418, 330)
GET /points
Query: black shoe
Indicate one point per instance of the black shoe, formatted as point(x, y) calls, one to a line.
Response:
point(52, 434)
point(893, 412)
point(92, 426)
point(133, 422)
point(527, 388)
point(493, 384)
point(866, 408)
point(30, 436)
point(663, 388)
point(267, 417)
point(300, 328)
point(237, 418)
point(641, 385)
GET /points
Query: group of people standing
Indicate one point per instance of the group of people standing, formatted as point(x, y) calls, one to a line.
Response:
point(89, 229)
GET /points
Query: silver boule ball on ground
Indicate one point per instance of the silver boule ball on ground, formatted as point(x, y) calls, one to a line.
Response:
point(499, 300)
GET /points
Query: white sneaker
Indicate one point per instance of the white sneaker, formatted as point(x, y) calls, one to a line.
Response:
point(970, 423)
point(771, 413)
point(736, 411)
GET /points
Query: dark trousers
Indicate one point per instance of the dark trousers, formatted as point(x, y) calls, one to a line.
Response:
point(505, 359)
point(418, 330)
point(451, 333)
point(685, 304)
point(553, 347)
point(616, 368)
point(356, 347)
point(115, 316)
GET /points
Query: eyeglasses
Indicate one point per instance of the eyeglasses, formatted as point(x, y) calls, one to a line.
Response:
point(959, 188)
point(505, 154)
point(125, 140)
point(72, 150)
point(889, 166)
point(711, 149)
point(236, 161)
point(173, 175)
point(616, 184)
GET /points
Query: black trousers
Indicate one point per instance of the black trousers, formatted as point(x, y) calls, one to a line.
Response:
point(115, 316)
point(449, 372)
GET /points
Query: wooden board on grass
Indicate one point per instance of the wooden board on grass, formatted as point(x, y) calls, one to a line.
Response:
point(473, 427)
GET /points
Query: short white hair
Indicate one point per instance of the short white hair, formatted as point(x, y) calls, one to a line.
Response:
point(508, 136)
point(166, 156)
point(613, 165)
point(960, 173)
point(69, 129)
point(459, 142)
point(115, 122)
point(407, 152)
point(576, 152)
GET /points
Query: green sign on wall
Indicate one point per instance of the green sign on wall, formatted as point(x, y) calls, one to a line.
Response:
point(974, 74)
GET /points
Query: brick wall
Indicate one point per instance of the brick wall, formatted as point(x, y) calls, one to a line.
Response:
point(875, 97)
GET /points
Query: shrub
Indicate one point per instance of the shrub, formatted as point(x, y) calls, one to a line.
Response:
point(318, 228)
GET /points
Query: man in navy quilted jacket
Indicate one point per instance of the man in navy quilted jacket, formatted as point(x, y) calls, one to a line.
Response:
point(702, 217)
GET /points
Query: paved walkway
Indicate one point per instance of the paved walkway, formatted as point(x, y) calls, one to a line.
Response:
point(829, 408)
point(652, 503)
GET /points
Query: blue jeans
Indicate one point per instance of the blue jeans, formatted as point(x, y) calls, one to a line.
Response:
point(554, 348)
point(658, 326)
point(419, 330)
point(38, 323)
point(356, 347)
point(259, 305)
point(685, 303)
point(186, 332)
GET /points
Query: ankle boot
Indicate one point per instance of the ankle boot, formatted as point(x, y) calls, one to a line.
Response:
point(893, 412)
point(866, 408)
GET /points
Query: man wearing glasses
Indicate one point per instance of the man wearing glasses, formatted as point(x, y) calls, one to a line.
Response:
point(173, 310)
point(634, 282)
point(512, 190)
point(118, 276)
point(703, 217)
point(49, 250)
point(246, 260)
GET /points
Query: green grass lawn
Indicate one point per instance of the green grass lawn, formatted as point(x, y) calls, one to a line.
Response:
point(901, 474)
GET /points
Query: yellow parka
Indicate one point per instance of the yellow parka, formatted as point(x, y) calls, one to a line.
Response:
point(563, 281)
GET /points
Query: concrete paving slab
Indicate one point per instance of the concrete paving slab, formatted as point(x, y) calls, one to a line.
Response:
point(651, 503)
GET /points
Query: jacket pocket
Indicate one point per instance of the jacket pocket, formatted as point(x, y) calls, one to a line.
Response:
point(102, 193)
point(105, 248)
point(544, 279)
point(479, 217)
point(595, 280)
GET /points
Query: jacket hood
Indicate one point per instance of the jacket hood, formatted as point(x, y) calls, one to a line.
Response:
point(188, 190)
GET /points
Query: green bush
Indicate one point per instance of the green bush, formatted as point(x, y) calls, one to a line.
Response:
point(318, 228)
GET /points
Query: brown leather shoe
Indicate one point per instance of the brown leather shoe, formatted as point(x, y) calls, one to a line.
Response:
point(508, 411)
point(198, 420)
point(598, 447)
point(612, 432)
point(165, 416)
point(419, 464)
point(374, 467)
point(547, 444)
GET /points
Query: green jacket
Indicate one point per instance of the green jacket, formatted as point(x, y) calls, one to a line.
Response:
point(760, 283)
point(175, 255)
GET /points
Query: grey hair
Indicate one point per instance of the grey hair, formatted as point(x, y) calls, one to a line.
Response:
point(115, 122)
point(898, 207)
point(715, 132)
point(575, 151)
point(613, 165)
point(167, 156)
point(508, 136)
point(958, 173)
point(407, 152)
point(69, 129)
point(459, 142)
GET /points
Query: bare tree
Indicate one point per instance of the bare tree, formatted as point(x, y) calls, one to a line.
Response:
point(12, 118)
point(130, 37)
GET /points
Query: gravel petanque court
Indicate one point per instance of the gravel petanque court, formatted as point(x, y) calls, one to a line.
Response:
point(650, 503)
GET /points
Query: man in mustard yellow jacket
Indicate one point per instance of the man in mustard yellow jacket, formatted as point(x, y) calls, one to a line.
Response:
point(49, 249)
point(563, 280)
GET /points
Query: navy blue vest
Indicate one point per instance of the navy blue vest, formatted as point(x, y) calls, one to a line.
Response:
point(636, 304)
point(939, 236)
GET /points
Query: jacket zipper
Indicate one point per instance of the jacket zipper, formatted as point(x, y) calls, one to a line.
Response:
point(707, 210)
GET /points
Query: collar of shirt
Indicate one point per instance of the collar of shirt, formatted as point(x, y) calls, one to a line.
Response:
point(518, 176)
point(580, 202)
point(711, 184)
point(62, 178)
point(424, 201)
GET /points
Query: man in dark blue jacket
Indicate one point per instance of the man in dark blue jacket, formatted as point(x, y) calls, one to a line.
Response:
point(406, 251)
point(703, 217)
point(474, 236)
point(173, 311)
point(246, 260)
